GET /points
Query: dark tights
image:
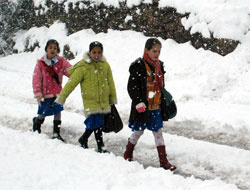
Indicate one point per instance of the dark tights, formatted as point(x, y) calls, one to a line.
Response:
point(98, 137)
point(56, 116)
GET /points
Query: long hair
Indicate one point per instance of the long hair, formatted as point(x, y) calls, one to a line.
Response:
point(151, 42)
point(52, 41)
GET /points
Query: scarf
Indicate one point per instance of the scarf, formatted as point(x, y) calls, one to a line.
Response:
point(158, 77)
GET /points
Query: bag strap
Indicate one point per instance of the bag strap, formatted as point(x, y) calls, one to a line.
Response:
point(52, 73)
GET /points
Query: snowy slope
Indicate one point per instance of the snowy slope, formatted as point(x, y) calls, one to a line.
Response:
point(217, 165)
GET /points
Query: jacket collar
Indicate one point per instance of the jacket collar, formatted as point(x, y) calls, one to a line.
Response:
point(49, 62)
point(87, 58)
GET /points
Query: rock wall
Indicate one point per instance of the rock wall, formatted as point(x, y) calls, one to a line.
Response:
point(146, 18)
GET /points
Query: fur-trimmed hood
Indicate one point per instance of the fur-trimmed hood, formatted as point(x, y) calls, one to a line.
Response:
point(86, 60)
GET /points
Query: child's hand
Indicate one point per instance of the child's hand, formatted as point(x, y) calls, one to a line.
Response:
point(141, 107)
point(39, 98)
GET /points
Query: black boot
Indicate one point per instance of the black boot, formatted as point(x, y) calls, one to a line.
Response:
point(99, 141)
point(37, 124)
point(83, 140)
point(56, 130)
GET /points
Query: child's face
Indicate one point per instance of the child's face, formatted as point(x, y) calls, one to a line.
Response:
point(51, 50)
point(154, 52)
point(96, 54)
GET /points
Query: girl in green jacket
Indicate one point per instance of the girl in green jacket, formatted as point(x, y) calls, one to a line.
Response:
point(94, 75)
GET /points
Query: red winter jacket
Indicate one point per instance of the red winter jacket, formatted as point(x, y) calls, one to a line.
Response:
point(43, 83)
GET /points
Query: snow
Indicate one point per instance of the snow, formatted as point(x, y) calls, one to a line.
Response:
point(216, 16)
point(66, 166)
point(208, 140)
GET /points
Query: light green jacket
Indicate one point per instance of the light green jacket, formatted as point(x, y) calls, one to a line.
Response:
point(97, 85)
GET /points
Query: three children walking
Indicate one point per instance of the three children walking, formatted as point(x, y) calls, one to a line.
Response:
point(98, 92)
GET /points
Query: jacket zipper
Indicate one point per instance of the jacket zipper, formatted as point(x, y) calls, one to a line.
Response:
point(98, 85)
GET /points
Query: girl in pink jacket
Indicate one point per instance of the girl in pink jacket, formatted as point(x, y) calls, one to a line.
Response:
point(47, 84)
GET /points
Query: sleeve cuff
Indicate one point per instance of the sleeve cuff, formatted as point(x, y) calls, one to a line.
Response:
point(113, 101)
point(36, 95)
point(60, 100)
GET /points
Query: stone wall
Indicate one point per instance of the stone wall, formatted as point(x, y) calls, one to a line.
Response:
point(146, 18)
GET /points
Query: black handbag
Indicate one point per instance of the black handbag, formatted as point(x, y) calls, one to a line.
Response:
point(112, 121)
point(169, 106)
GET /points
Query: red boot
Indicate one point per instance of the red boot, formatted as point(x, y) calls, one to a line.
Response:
point(128, 154)
point(164, 163)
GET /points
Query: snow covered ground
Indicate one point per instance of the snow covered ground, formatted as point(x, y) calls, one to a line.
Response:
point(209, 140)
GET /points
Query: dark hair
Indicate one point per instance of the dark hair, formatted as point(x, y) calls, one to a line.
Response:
point(52, 41)
point(95, 44)
point(151, 42)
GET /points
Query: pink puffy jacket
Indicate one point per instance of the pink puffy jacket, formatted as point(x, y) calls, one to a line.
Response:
point(43, 83)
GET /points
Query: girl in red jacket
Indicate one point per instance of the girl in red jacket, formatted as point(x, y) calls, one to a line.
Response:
point(47, 84)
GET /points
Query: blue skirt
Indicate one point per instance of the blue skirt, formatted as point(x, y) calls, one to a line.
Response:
point(154, 124)
point(94, 121)
point(49, 107)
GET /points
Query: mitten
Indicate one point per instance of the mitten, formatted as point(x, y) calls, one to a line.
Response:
point(141, 107)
